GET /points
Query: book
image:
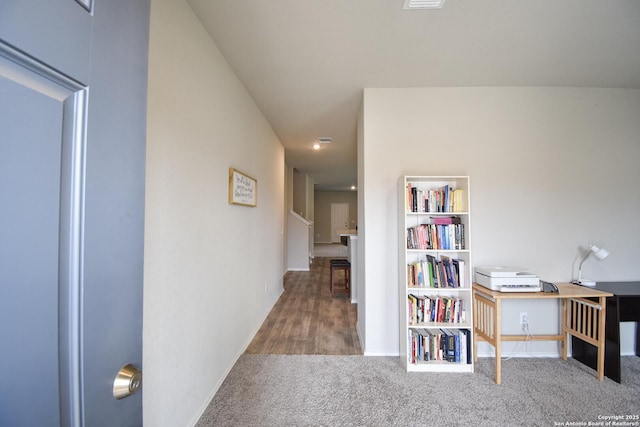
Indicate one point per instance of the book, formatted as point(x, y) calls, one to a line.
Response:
point(462, 273)
point(441, 308)
point(458, 345)
point(412, 309)
point(445, 220)
point(412, 347)
point(458, 200)
point(450, 345)
point(419, 274)
point(420, 309)
point(414, 201)
point(433, 271)
point(465, 346)
point(447, 265)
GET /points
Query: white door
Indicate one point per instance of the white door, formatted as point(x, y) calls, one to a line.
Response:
point(72, 156)
point(339, 220)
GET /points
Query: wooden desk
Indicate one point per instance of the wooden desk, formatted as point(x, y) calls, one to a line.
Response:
point(581, 318)
point(621, 307)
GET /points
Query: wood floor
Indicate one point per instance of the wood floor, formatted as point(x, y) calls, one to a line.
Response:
point(307, 320)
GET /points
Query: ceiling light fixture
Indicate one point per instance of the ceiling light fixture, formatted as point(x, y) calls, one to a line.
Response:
point(423, 4)
point(321, 141)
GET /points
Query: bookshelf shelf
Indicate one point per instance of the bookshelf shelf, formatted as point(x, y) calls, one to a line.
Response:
point(436, 213)
point(438, 250)
point(435, 296)
point(464, 325)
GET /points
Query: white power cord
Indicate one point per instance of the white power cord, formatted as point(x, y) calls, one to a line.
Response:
point(527, 340)
point(525, 325)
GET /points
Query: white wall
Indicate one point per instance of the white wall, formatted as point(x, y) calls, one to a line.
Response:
point(552, 170)
point(361, 272)
point(206, 262)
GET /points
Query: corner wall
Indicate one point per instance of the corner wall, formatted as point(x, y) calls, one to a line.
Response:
point(552, 170)
point(212, 270)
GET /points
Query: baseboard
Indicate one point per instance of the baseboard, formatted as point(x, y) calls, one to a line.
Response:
point(359, 336)
point(380, 354)
point(235, 360)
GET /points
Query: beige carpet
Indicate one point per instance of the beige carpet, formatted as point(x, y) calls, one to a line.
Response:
point(286, 390)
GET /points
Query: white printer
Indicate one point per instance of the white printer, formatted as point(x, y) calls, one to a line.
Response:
point(507, 279)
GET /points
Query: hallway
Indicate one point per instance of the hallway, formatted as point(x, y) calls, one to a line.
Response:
point(307, 320)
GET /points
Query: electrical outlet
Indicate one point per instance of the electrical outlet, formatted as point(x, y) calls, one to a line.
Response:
point(266, 286)
point(524, 318)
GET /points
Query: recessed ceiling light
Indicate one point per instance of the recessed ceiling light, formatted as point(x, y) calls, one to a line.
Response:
point(321, 141)
point(423, 4)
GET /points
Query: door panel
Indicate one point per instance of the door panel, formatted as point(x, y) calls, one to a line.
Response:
point(339, 219)
point(28, 296)
point(72, 157)
point(56, 32)
point(43, 118)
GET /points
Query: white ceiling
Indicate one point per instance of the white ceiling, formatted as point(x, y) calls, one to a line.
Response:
point(306, 62)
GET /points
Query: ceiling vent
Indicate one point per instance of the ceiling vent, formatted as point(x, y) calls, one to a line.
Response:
point(422, 4)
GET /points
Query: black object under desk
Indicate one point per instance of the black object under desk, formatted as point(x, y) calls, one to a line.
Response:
point(623, 306)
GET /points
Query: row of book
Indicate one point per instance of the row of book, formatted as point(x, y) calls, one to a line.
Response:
point(442, 272)
point(442, 199)
point(436, 236)
point(451, 345)
point(436, 308)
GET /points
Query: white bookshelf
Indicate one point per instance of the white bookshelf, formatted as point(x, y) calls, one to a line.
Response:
point(452, 242)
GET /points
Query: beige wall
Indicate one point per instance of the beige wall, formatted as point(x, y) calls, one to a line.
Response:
point(552, 170)
point(300, 193)
point(322, 218)
point(212, 270)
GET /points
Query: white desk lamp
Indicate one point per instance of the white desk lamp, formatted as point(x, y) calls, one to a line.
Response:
point(598, 253)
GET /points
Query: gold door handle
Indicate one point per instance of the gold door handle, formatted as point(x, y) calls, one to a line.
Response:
point(127, 382)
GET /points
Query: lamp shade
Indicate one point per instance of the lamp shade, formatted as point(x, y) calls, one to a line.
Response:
point(599, 252)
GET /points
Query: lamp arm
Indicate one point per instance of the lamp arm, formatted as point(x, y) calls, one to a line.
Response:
point(580, 266)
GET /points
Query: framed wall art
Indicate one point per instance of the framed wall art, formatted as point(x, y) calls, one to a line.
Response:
point(243, 189)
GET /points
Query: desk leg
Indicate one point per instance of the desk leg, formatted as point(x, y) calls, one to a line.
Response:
point(475, 345)
point(601, 337)
point(498, 343)
point(565, 336)
point(612, 368)
point(637, 338)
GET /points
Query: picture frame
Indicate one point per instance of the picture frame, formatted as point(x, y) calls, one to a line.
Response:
point(243, 189)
